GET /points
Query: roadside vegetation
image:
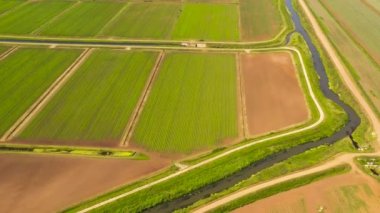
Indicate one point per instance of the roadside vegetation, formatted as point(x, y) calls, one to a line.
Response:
point(361, 62)
point(363, 135)
point(25, 75)
point(370, 165)
point(192, 105)
point(281, 187)
point(223, 167)
point(95, 105)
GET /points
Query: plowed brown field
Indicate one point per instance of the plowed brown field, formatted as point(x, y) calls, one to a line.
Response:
point(273, 97)
point(51, 183)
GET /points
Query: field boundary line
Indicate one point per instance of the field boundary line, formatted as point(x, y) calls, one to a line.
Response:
point(15, 8)
point(254, 142)
point(113, 19)
point(141, 103)
point(46, 24)
point(33, 110)
point(8, 52)
point(241, 96)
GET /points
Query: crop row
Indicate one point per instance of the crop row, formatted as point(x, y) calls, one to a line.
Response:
point(163, 20)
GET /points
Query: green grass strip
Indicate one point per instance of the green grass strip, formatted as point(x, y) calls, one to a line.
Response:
point(282, 187)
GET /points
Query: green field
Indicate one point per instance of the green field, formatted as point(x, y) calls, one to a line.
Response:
point(84, 19)
point(31, 16)
point(260, 20)
point(360, 21)
point(145, 20)
point(25, 75)
point(192, 104)
point(6, 5)
point(94, 106)
point(3, 49)
point(215, 22)
point(364, 70)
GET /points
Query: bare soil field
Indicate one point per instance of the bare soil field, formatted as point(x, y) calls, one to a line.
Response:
point(352, 192)
point(273, 97)
point(51, 183)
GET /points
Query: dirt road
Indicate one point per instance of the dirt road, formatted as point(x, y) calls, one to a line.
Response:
point(344, 73)
point(347, 158)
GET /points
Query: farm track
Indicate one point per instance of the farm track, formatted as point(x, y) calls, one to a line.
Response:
point(23, 121)
point(343, 71)
point(346, 158)
point(243, 130)
point(209, 160)
point(140, 105)
point(153, 46)
point(8, 52)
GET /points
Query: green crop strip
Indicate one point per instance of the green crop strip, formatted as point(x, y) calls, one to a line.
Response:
point(84, 19)
point(222, 22)
point(133, 21)
point(25, 75)
point(30, 16)
point(95, 104)
point(6, 5)
point(192, 105)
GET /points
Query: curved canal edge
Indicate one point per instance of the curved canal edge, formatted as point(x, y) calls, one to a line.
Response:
point(227, 182)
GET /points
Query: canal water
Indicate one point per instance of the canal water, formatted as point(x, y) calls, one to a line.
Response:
point(248, 171)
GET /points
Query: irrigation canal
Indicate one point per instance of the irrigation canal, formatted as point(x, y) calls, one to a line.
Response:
point(245, 173)
point(257, 166)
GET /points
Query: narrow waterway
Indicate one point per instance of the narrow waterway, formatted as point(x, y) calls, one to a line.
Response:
point(246, 172)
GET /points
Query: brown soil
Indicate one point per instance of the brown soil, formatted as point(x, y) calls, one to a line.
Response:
point(41, 183)
point(273, 97)
point(351, 192)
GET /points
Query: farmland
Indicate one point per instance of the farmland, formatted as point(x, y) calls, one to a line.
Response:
point(192, 104)
point(83, 19)
point(51, 183)
point(29, 17)
point(259, 19)
point(6, 5)
point(135, 17)
point(363, 68)
point(223, 22)
point(141, 105)
point(229, 20)
point(360, 21)
point(351, 192)
point(25, 75)
point(281, 100)
point(94, 107)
